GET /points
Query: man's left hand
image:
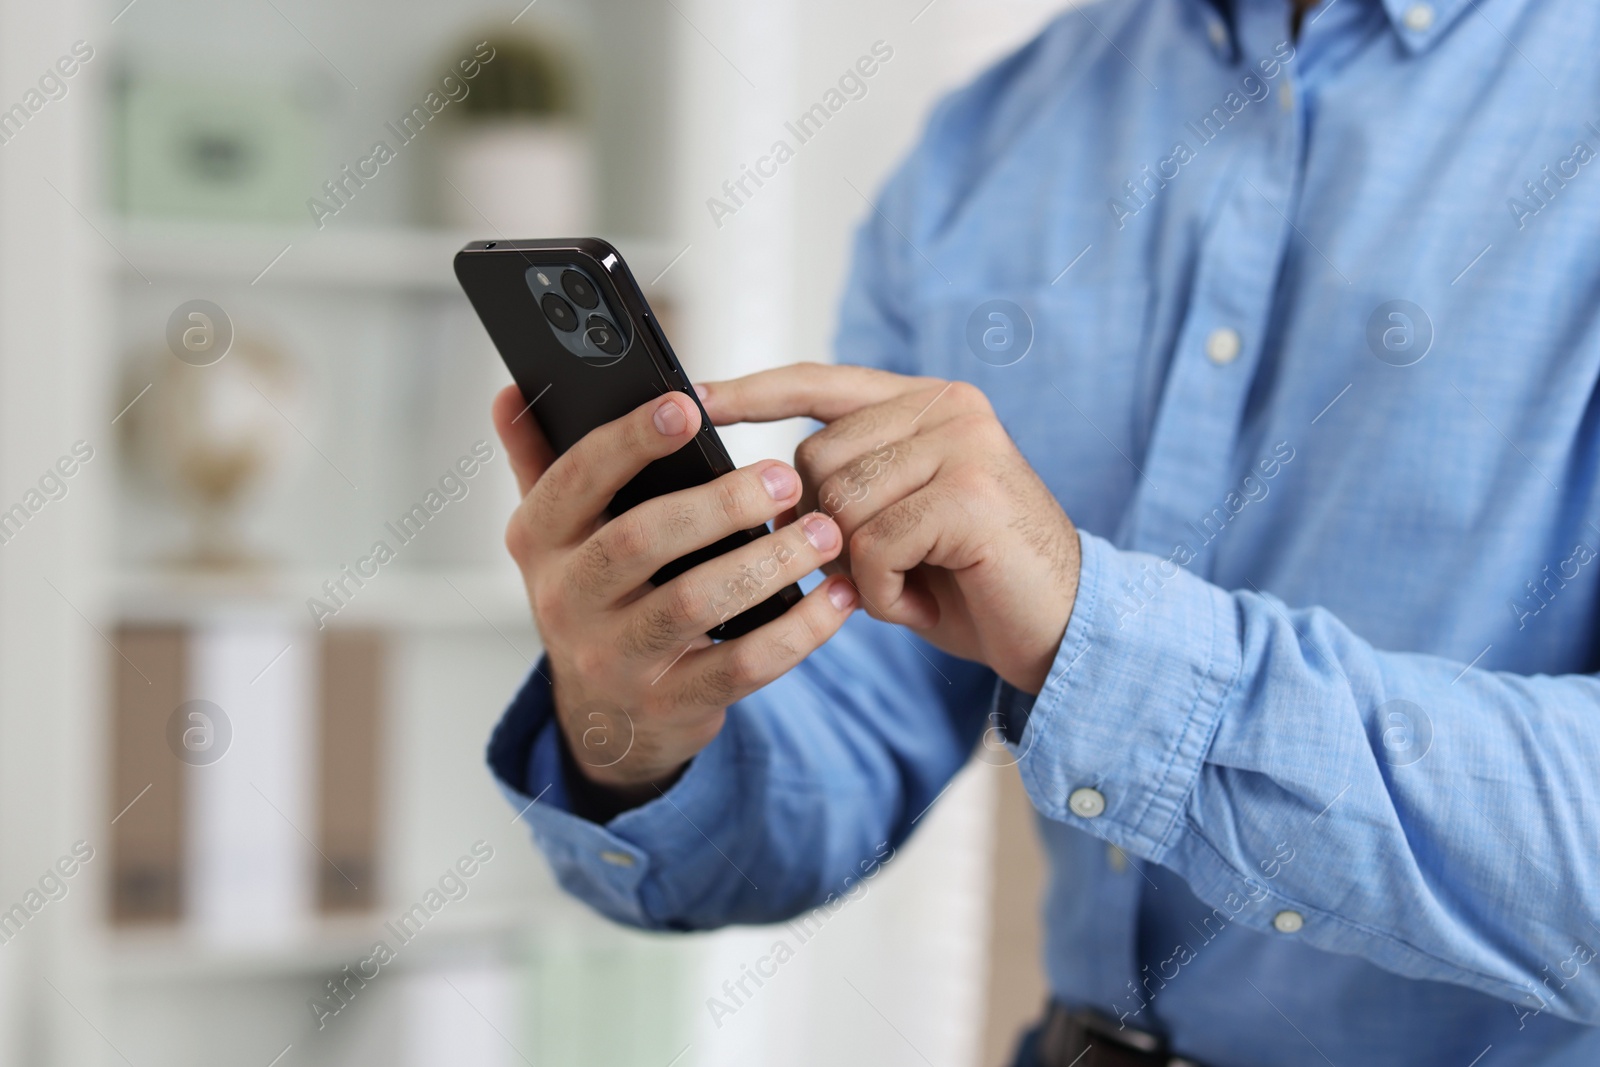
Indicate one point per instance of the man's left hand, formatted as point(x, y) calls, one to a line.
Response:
point(947, 528)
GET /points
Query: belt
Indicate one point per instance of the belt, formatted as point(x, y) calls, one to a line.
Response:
point(1077, 1037)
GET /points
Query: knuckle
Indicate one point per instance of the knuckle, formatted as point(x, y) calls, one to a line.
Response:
point(651, 633)
point(740, 589)
point(864, 543)
point(713, 687)
point(809, 453)
point(783, 652)
point(729, 597)
point(590, 567)
point(885, 453)
point(680, 607)
point(870, 466)
point(974, 490)
point(745, 666)
point(835, 494)
point(733, 498)
point(549, 606)
point(568, 473)
point(788, 548)
point(968, 396)
point(812, 633)
point(519, 536)
point(681, 518)
point(980, 425)
point(626, 537)
point(661, 635)
point(538, 506)
point(967, 481)
point(818, 628)
point(591, 662)
point(885, 527)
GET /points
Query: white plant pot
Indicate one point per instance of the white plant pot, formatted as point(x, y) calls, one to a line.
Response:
point(519, 179)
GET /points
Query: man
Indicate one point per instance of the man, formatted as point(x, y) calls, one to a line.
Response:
point(1294, 314)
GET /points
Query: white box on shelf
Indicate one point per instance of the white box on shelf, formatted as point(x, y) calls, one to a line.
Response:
point(250, 826)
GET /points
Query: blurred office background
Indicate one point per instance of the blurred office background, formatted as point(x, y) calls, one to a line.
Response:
point(258, 798)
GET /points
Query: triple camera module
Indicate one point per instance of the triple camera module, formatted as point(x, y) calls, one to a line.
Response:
point(579, 319)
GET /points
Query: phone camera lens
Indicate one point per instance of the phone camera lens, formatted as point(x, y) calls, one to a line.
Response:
point(559, 312)
point(603, 335)
point(580, 290)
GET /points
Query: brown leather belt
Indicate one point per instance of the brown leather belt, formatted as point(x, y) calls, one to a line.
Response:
point(1075, 1037)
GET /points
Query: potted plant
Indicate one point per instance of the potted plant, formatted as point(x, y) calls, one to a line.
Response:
point(518, 162)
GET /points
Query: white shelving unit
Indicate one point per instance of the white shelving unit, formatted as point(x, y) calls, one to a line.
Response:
point(437, 597)
point(323, 948)
point(378, 320)
point(400, 379)
point(395, 260)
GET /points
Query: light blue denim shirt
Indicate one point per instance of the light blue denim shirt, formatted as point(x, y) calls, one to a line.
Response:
point(1311, 338)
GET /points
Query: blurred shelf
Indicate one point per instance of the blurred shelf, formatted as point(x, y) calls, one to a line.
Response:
point(351, 257)
point(416, 598)
point(323, 945)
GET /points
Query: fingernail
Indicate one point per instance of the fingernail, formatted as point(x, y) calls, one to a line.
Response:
point(842, 596)
point(701, 391)
point(780, 482)
point(669, 418)
point(821, 532)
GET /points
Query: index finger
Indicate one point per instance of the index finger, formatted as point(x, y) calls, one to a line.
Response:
point(813, 390)
point(566, 502)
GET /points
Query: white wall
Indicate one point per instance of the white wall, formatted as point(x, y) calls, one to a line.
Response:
point(52, 297)
point(897, 977)
point(762, 288)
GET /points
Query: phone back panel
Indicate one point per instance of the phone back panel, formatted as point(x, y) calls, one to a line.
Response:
point(570, 395)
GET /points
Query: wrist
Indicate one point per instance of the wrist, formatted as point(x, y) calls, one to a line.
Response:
point(604, 757)
point(1031, 673)
point(589, 797)
point(1029, 676)
point(630, 776)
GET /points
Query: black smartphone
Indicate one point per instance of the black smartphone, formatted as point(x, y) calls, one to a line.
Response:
point(582, 345)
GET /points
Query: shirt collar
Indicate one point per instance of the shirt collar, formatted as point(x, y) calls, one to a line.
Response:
point(1418, 23)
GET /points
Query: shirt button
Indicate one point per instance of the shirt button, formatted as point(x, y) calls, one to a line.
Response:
point(1222, 346)
point(1286, 96)
point(1087, 803)
point(1418, 17)
point(1219, 33)
point(617, 859)
point(1116, 859)
point(1288, 922)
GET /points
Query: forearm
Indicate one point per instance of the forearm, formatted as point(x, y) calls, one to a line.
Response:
point(812, 777)
point(1243, 746)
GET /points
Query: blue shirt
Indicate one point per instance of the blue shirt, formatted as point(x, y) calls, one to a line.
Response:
point(1310, 351)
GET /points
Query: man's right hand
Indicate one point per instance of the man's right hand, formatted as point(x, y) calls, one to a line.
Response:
point(639, 688)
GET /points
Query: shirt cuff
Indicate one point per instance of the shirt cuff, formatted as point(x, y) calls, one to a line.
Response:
point(523, 750)
point(609, 866)
point(1010, 709)
point(1115, 741)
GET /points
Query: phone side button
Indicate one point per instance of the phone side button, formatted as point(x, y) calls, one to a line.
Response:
point(655, 333)
point(663, 359)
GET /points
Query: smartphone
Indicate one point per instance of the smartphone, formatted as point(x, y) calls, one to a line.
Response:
point(583, 346)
